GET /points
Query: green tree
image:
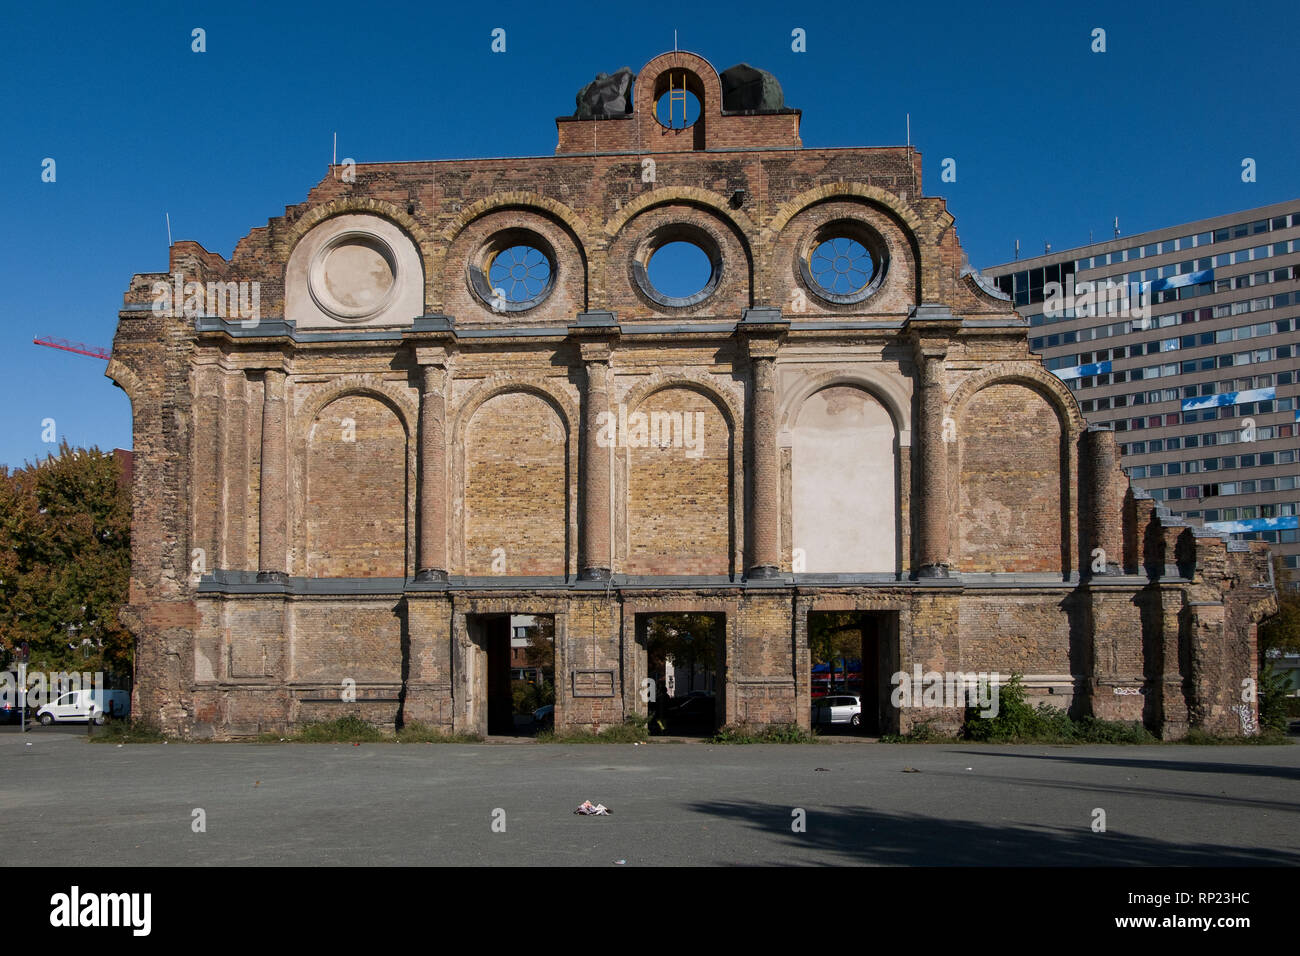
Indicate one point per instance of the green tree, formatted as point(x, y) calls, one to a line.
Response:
point(1281, 631)
point(540, 651)
point(65, 558)
point(691, 640)
point(834, 636)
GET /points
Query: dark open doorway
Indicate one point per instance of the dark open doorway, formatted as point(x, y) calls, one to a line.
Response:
point(532, 672)
point(686, 660)
point(853, 654)
point(514, 693)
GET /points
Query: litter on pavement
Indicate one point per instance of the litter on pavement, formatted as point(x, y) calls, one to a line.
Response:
point(589, 809)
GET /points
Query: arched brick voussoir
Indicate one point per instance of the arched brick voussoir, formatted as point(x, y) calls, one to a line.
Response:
point(920, 230)
point(643, 100)
point(124, 377)
point(972, 286)
point(660, 381)
point(505, 383)
point(1029, 374)
point(520, 199)
point(318, 397)
point(285, 241)
point(668, 195)
point(921, 234)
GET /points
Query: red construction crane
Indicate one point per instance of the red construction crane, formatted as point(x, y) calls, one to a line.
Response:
point(81, 348)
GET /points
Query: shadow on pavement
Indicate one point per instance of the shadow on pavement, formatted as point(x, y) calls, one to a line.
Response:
point(871, 837)
point(1190, 766)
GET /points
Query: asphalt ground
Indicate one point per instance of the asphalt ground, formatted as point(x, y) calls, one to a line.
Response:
point(63, 799)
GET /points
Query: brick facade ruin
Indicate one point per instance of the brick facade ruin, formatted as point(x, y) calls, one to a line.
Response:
point(345, 487)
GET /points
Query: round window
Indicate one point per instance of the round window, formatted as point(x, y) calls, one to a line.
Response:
point(841, 266)
point(677, 266)
point(679, 269)
point(844, 262)
point(514, 271)
point(519, 273)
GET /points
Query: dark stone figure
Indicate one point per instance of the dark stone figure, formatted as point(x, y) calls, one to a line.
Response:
point(606, 95)
point(748, 89)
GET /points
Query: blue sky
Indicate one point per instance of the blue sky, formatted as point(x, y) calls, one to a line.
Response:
point(1050, 139)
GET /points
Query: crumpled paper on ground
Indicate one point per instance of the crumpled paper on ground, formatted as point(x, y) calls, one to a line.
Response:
point(593, 809)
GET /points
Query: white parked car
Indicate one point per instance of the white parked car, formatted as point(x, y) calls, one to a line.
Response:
point(838, 709)
point(88, 704)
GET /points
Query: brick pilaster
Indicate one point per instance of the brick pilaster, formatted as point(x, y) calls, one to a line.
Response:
point(272, 522)
point(932, 547)
point(1105, 504)
point(594, 563)
point(432, 557)
point(764, 484)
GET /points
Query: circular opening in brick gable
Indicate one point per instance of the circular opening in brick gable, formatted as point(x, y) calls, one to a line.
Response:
point(679, 269)
point(353, 276)
point(844, 261)
point(678, 98)
point(677, 109)
point(841, 266)
point(513, 271)
point(519, 273)
point(678, 265)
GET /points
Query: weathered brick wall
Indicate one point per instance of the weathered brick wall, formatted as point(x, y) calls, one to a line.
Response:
point(679, 505)
point(1012, 632)
point(1010, 506)
point(761, 672)
point(516, 484)
point(933, 641)
point(588, 655)
point(356, 491)
point(368, 650)
point(1116, 656)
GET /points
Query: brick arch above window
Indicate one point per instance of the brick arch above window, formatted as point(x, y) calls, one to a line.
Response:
point(659, 223)
point(499, 223)
point(1033, 376)
point(502, 383)
point(310, 399)
point(727, 403)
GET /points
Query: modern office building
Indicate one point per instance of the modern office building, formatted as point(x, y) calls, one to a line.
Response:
point(1184, 340)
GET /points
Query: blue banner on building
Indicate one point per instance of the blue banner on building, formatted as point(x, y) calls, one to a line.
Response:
point(1178, 282)
point(1230, 398)
point(1083, 371)
point(1252, 524)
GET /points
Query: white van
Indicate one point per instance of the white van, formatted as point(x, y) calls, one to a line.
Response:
point(86, 704)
